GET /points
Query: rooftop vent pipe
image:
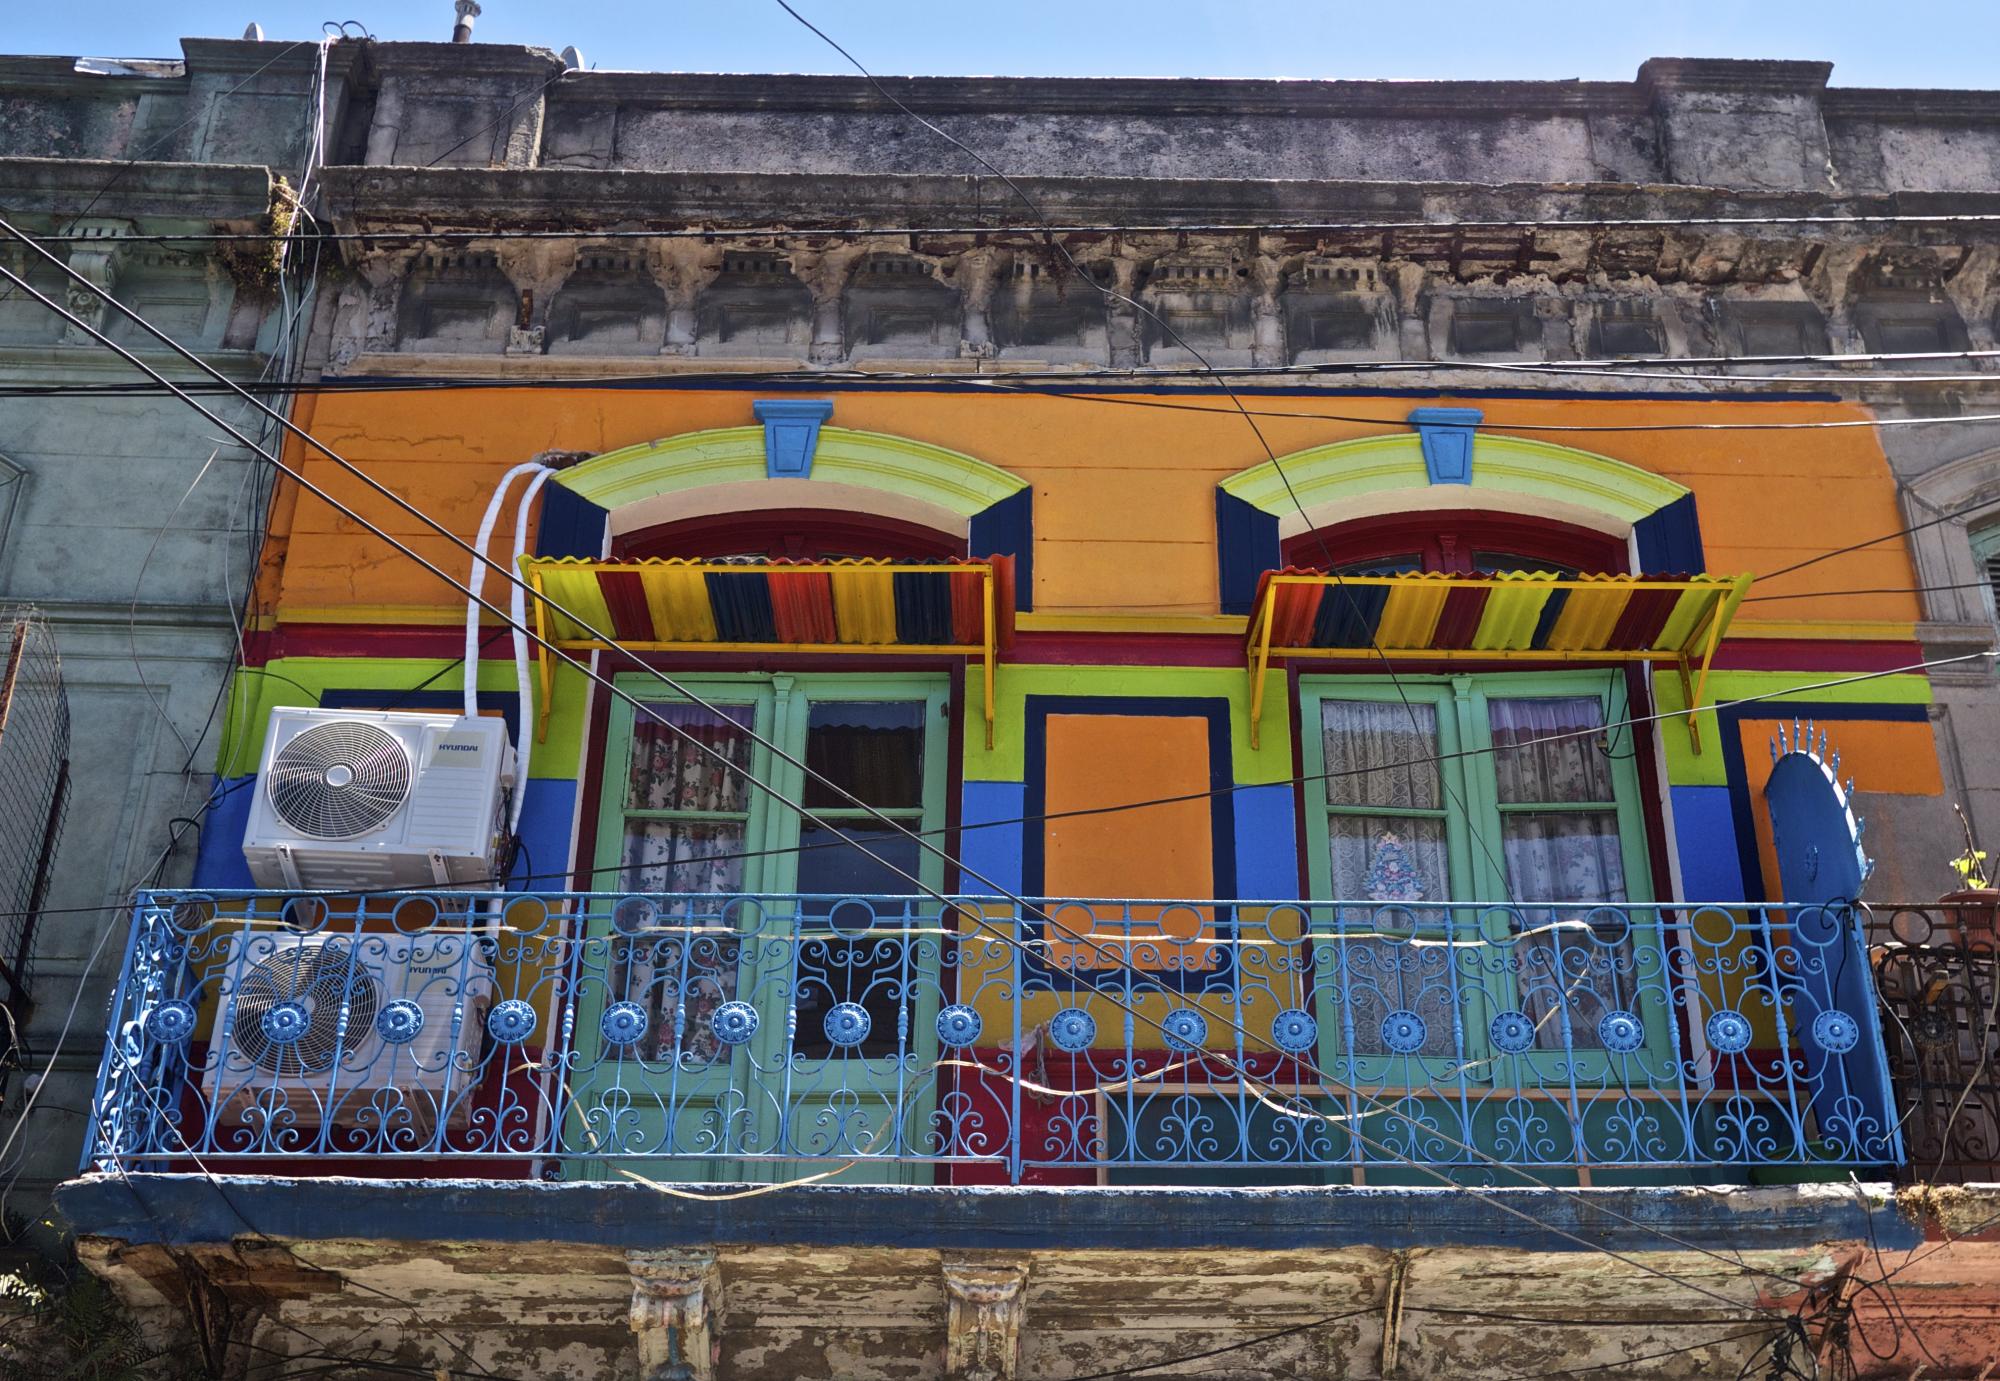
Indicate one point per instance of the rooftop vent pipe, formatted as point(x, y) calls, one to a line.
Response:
point(468, 10)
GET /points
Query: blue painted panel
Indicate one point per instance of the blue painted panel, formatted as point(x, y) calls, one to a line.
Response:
point(1447, 436)
point(571, 524)
point(995, 851)
point(1007, 528)
point(1246, 545)
point(1267, 853)
point(791, 433)
point(186, 1209)
point(548, 820)
point(1669, 540)
point(218, 861)
point(1705, 837)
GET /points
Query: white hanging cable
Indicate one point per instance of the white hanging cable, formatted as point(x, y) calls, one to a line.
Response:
point(478, 580)
point(518, 610)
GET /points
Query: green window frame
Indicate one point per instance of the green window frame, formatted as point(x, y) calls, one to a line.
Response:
point(1466, 813)
point(1986, 556)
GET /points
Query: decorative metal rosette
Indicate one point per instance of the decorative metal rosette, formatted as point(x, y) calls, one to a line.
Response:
point(1512, 1032)
point(1072, 1029)
point(511, 1022)
point(399, 1022)
point(623, 1023)
point(733, 1022)
point(1931, 1026)
point(1293, 1030)
point(171, 1022)
point(1729, 1032)
point(285, 1022)
point(1185, 1030)
point(958, 1026)
point(1403, 1031)
point(1621, 1032)
point(1836, 1032)
point(847, 1023)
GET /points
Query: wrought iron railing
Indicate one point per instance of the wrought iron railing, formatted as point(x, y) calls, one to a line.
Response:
point(1938, 970)
point(767, 1037)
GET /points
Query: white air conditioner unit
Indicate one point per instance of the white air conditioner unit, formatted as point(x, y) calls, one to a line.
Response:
point(361, 800)
point(400, 993)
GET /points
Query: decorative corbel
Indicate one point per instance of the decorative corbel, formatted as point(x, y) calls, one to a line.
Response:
point(537, 269)
point(977, 273)
point(986, 1302)
point(676, 1308)
point(365, 318)
point(98, 257)
point(683, 269)
point(825, 274)
point(1267, 317)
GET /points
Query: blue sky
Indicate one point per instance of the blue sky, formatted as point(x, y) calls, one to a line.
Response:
point(1909, 43)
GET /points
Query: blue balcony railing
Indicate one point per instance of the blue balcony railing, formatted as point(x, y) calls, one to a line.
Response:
point(774, 1036)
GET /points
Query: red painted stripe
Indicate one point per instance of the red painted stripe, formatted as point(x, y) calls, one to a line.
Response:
point(1464, 606)
point(968, 614)
point(1645, 614)
point(625, 597)
point(1128, 649)
point(802, 606)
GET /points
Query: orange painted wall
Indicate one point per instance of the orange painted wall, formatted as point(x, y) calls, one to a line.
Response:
point(1124, 493)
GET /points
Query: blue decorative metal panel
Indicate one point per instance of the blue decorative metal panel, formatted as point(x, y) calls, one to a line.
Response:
point(706, 1034)
point(1447, 436)
point(791, 434)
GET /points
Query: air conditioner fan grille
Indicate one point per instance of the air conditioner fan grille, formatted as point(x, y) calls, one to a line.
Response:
point(319, 977)
point(338, 780)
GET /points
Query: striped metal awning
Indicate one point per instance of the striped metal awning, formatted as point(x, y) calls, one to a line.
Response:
point(1531, 616)
point(858, 605)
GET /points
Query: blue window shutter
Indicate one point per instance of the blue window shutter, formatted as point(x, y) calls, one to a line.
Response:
point(571, 524)
point(1246, 545)
point(1008, 529)
point(1669, 540)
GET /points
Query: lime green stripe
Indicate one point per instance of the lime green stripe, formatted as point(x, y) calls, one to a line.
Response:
point(304, 680)
point(1686, 768)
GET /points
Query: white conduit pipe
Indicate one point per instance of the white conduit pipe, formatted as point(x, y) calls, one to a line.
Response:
point(477, 581)
point(518, 609)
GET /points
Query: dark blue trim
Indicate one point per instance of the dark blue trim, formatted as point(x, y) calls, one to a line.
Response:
point(1246, 545)
point(667, 383)
point(1446, 435)
point(508, 703)
point(191, 1210)
point(742, 604)
point(923, 606)
point(1669, 540)
point(1007, 528)
point(791, 434)
point(1736, 775)
point(1221, 820)
point(571, 524)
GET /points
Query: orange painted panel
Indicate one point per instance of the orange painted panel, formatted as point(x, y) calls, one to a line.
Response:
point(1163, 851)
point(1124, 493)
point(1895, 756)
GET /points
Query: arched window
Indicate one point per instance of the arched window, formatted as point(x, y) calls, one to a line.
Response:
point(1457, 542)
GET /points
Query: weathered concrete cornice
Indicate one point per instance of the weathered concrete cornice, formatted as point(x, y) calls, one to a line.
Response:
point(478, 198)
point(1732, 74)
point(224, 193)
point(456, 61)
point(1142, 96)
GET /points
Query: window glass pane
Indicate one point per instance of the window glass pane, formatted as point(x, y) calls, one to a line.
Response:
point(1381, 754)
point(1570, 959)
point(1568, 856)
point(873, 749)
point(669, 772)
point(1384, 565)
point(682, 856)
point(1490, 562)
point(1388, 859)
point(1566, 765)
point(829, 866)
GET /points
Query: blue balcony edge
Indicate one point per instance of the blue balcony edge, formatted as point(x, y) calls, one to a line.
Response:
point(180, 1210)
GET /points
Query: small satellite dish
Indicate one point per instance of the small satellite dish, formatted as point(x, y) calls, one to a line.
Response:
point(253, 32)
point(572, 59)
